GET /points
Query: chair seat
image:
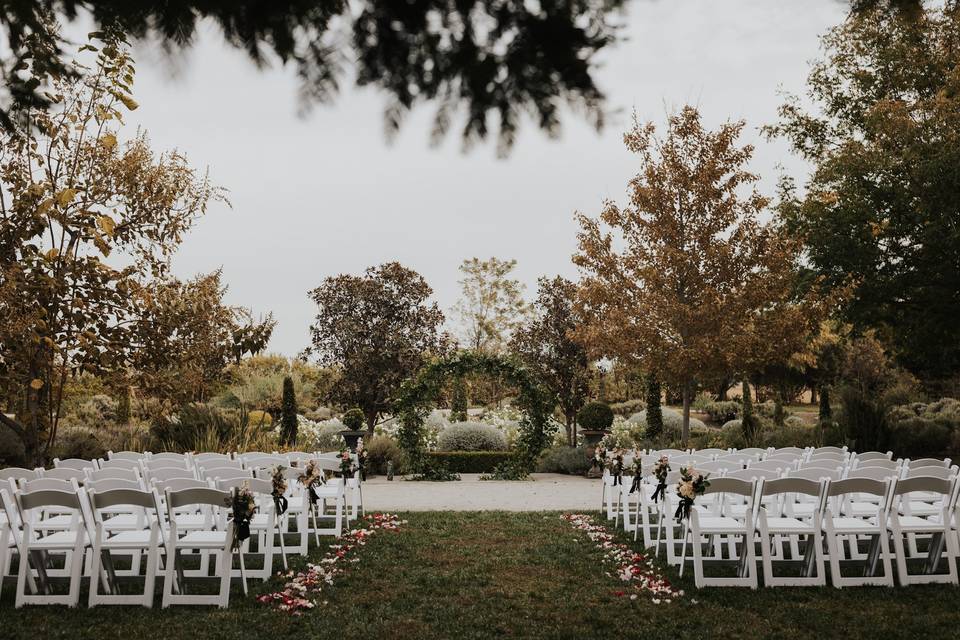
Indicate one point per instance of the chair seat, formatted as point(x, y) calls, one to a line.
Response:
point(191, 521)
point(128, 540)
point(916, 524)
point(845, 524)
point(789, 526)
point(720, 524)
point(860, 509)
point(59, 540)
point(203, 540)
point(921, 508)
point(295, 503)
point(804, 509)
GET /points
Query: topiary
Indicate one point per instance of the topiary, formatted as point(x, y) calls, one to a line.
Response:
point(653, 415)
point(595, 416)
point(459, 403)
point(749, 421)
point(471, 436)
point(353, 419)
point(288, 413)
point(381, 450)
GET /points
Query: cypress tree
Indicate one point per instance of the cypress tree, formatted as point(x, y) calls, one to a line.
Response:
point(748, 421)
point(459, 403)
point(288, 413)
point(654, 413)
point(123, 406)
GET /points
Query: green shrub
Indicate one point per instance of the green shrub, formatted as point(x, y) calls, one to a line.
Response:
point(383, 449)
point(628, 407)
point(723, 411)
point(12, 451)
point(701, 401)
point(78, 442)
point(921, 430)
point(288, 413)
point(193, 422)
point(471, 436)
point(564, 460)
point(469, 461)
point(353, 419)
point(595, 416)
point(864, 420)
point(459, 403)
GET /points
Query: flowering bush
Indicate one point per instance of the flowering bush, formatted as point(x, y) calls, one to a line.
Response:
point(319, 436)
point(302, 589)
point(637, 571)
point(471, 436)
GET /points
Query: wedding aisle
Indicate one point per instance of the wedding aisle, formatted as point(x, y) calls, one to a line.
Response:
point(544, 492)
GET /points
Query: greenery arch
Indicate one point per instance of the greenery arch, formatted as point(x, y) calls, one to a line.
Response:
point(418, 394)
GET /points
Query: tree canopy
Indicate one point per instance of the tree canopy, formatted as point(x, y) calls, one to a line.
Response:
point(879, 213)
point(678, 281)
point(377, 329)
point(488, 61)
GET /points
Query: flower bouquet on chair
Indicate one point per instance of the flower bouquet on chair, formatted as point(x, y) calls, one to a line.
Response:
point(278, 480)
point(311, 478)
point(637, 472)
point(615, 465)
point(692, 484)
point(243, 506)
point(660, 471)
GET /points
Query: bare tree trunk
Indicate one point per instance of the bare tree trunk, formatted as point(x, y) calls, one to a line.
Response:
point(685, 432)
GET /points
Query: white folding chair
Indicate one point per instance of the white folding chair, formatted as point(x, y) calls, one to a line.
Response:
point(133, 456)
point(65, 473)
point(114, 473)
point(780, 531)
point(263, 524)
point(213, 540)
point(118, 463)
point(838, 527)
point(159, 475)
point(107, 540)
point(72, 541)
point(18, 473)
point(936, 529)
point(714, 525)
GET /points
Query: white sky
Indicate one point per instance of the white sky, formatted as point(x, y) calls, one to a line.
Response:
point(324, 193)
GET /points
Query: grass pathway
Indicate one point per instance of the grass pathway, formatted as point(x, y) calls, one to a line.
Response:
point(496, 574)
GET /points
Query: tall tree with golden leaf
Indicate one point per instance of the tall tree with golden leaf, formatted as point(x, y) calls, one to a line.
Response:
point(73, 194)
point(683, 280)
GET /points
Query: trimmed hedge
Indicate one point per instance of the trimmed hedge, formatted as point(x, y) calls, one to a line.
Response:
point(470, 461)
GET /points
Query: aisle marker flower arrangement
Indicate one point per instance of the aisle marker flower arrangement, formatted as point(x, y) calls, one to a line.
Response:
point(692, 485)
point(637, 471)
point(303, 589)
point(637, 570)
point(615, 464)
point(660, 471)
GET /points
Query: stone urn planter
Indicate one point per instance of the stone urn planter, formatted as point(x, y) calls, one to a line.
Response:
point(353, 434)
point(352, 438)
point(595, 420)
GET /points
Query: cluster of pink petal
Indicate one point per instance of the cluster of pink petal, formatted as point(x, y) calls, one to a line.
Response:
point(638, 570)
point(303, 588)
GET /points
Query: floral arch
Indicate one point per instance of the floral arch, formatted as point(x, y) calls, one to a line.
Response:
point(419, 393)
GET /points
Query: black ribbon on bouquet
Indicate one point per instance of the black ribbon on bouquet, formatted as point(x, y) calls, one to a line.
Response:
point(660, 491)
point(241, 520)
point(281, 503)
point(683, 509)
point(617, 478)
point(637, 479)
point(312, 495)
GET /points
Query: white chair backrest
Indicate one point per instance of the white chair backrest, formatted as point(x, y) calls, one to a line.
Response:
point(298, 458)
point(867, 456)
point(200, 458)
point(151, 465)
point(110, 484)
point(65, 474)
point(179, 484)
point(256, 486)
point(74, 463)
point(873, 473)
point(154, 475)
point(877, 464)
point(221, 470)
point(716, 467)
point(252, 454)
point(771, 465)
point(118, 473)
point(118, 463)
point(232, 475)
point(830, 467)
point(19, 473)
point(751, 451)
point(794, 451)
point(929, 462)
point(47, 484)
point(712, 452)
point(263, 461)
point(930, 472)
point(747, 475)
point(168, 455)
point(829, 449)
point(134, 456)
point(815, 474)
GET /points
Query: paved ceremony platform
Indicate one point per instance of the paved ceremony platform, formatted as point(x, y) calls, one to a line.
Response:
point(544, 492)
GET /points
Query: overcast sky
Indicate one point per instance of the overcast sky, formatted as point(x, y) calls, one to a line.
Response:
point(324, 193)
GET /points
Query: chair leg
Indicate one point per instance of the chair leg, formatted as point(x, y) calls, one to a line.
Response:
point(225, 561)
point(76, 572)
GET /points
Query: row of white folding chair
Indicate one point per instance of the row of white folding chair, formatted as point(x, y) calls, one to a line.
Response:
point(90, 530)
point(711, 520)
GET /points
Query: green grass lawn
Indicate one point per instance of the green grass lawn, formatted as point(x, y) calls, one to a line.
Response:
point(492, 575)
